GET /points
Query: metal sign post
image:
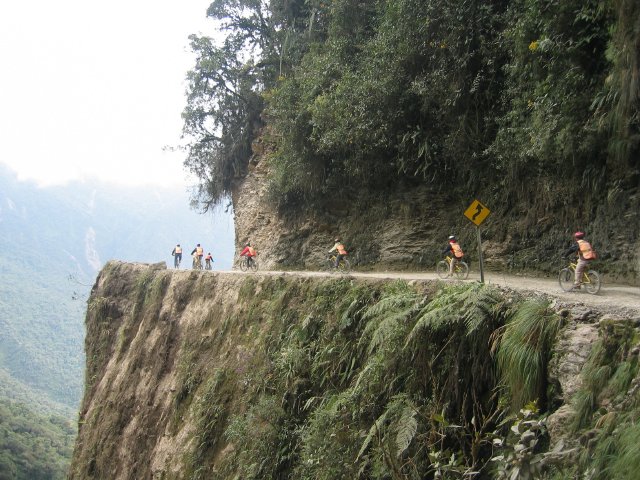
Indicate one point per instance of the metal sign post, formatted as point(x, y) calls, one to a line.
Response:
point(477, 213)
point(480, 255)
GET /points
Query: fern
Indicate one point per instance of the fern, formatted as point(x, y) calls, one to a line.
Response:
point(407, 428)
point(384, 316)
point(389, 327)
point(473, 305)
point(373, 432)
point(522, 350)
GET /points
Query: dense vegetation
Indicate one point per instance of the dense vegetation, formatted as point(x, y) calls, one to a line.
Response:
point(540, 94)
point(33, 446)
point(390, 381)
point(52, 242)
point(278, 377)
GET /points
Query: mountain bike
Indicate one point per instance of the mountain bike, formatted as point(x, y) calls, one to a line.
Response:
point(461, 269)
point(176, 260)
point(248, 263)
point(196, 264)
point(344, 266)
point(590, 279)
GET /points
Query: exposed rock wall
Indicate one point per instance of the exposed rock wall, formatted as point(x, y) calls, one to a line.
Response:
point(406, 228)
point(169, 354)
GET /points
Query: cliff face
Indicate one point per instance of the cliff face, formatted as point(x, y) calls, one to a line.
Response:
point(211, 375)
point(406, 228)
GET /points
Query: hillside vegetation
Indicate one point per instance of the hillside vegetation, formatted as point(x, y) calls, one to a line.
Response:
point(221, 376)
point(530, 105)
point(33, 446)
point(53, 240)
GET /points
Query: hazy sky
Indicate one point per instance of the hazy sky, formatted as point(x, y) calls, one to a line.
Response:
point(95, 88)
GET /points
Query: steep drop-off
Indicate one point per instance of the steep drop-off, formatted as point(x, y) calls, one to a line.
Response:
point(221, 375)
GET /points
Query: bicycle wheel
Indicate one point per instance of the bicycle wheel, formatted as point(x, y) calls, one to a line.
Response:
point(243, 265)
point(462, 270)
point(442, 269)
point(593, 285)
point(565, 279)
point(344, 266)
point(253, 265)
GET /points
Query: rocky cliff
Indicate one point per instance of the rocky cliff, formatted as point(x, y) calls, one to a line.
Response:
point(221, 375)
point(406, 227)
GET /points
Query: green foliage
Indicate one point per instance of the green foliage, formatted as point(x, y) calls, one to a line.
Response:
point(618, 106)
point(209, 414)
point(520, 455)
point(607, 371)
point(539, 95)
point(258, 436)
point(523, 348)
point(33, 446)
point(608, 404)
point(360, 384)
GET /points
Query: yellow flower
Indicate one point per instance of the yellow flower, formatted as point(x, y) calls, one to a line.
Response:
point(533, 46)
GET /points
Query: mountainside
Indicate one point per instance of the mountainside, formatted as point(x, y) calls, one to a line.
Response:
point(407, 228)
point(53, 241)
point(221, 375)
point(381, 122)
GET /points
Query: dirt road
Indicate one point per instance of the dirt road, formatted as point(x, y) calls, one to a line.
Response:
point(615, 298)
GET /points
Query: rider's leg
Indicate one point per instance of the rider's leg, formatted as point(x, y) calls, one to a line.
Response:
point(452, 265)
point(338, 258)
point(580, 267)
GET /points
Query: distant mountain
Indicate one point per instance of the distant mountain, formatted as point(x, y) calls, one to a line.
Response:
point(53, 241)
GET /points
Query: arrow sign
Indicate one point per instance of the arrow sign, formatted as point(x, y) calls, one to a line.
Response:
point(477, 212)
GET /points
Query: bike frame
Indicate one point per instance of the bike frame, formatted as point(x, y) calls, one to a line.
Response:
point(585, 277)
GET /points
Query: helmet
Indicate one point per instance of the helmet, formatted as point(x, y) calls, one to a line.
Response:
point(198, 245)
point(248, 244)
point(579, 235)
point(337, 239)
point(452, 237)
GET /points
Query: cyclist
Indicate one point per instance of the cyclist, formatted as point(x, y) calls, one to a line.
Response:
point(453, 248)
point(197, 254)
point(586, 253)
point(248, 252)
point(176, 253)
point(207, 261)
point(338, 247)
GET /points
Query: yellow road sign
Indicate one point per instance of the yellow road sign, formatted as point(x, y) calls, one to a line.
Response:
point(477, 212)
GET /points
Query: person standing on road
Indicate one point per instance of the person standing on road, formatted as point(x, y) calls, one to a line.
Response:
point(454, 249)
point(586, 253)
point(177, 256)
point(338, 247)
